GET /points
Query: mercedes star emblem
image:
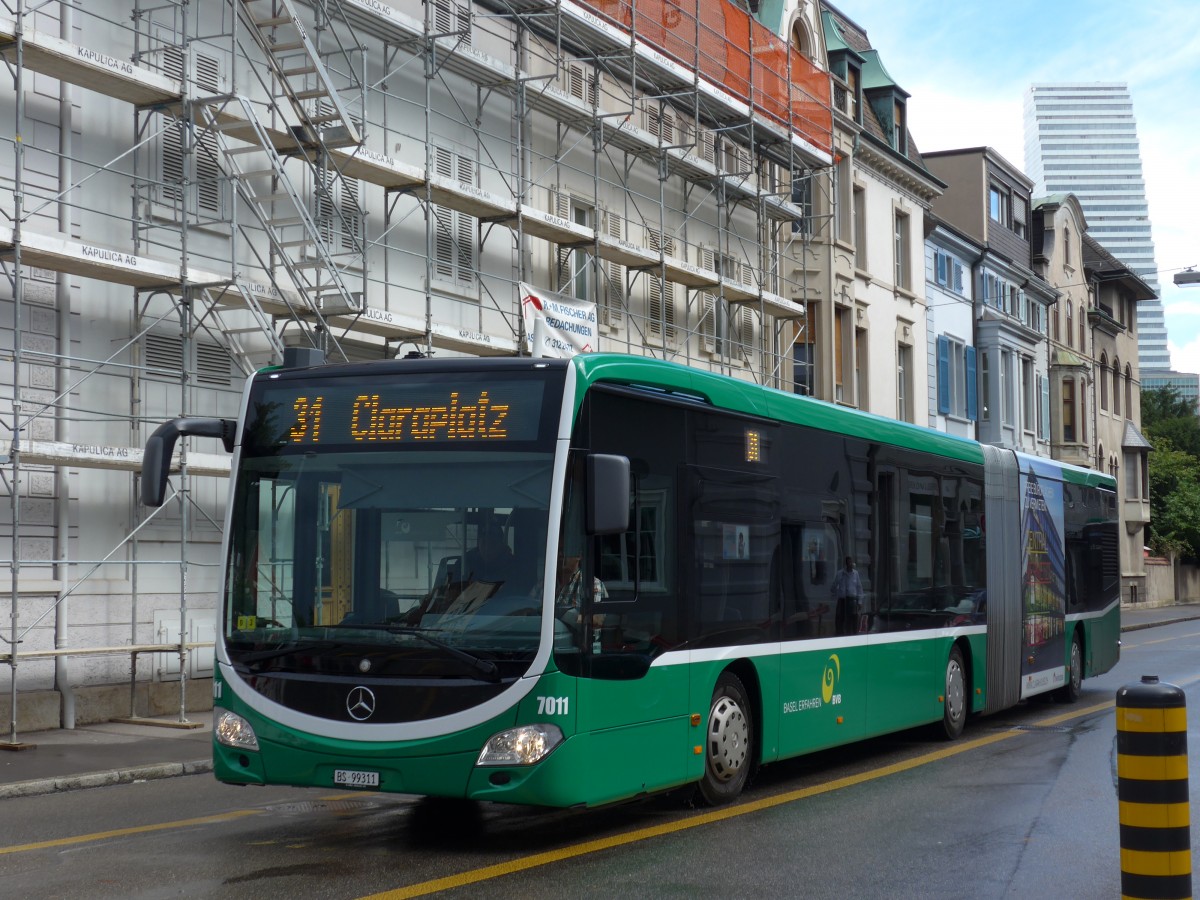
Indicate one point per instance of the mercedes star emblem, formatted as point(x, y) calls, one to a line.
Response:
point(360, 703)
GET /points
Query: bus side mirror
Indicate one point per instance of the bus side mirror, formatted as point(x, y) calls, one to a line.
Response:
point(156, 461)
point(607, 493)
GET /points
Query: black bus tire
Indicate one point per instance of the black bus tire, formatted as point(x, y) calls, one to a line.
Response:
point(954, 706)
point(1070, 691)
point(728, 742)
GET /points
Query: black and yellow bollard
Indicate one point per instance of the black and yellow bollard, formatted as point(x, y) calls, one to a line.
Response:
point(1152, 791)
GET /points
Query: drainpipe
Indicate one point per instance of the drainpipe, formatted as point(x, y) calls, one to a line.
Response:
point(62, 484)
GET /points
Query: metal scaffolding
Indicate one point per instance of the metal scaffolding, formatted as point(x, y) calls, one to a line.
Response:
point(368, 178)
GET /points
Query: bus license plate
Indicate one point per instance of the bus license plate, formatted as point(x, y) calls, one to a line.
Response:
point(353, 778)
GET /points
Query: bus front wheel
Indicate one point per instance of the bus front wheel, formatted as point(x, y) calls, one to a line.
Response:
point(954, 706)
point(728, 750)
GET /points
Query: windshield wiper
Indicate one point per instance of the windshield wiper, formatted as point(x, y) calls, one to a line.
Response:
point(484, 667)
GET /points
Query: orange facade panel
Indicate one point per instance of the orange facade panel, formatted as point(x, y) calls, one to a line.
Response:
point(733, 51)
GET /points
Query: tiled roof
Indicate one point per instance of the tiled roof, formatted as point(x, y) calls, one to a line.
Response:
point(1134, 439)
point(1098, 259)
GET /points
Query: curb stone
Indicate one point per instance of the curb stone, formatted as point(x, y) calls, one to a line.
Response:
point(1144, 625)
point(104, 779)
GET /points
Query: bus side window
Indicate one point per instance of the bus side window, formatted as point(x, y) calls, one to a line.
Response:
point(639, 568)
point(811, 550)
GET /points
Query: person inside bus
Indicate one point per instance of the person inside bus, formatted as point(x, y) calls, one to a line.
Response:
point(569, 595)
point(847, 590)
point(491, 560)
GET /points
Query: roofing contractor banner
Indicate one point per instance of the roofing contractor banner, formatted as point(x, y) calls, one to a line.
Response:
point(564, 326)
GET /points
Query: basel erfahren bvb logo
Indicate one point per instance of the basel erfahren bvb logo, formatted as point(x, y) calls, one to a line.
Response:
point(829, 680)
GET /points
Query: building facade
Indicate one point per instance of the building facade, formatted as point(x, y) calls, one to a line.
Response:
point(871, 265)
point(952, 359)
point(988, 200)
point(1081, 138)
point(191, 187)
point(1058, 226)
point(1095, 387)
point(1121, 449)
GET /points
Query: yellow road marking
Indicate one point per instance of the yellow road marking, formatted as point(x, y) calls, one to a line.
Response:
point(350, 794)
point(136, 829)
point(542, 859)
point(162, 826)
point(522, 864)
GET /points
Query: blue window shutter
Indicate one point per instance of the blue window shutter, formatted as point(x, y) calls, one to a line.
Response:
point(958, 273)
point(943, 374)
point(941, 266)
point(972, 387)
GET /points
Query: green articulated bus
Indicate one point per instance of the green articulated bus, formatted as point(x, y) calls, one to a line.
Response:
point(573, 582)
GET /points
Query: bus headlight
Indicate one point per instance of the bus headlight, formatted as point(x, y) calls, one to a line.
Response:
point(521, 746)
point(233, 731)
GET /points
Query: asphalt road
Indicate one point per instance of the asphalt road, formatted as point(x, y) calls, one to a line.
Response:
point(1024, 805)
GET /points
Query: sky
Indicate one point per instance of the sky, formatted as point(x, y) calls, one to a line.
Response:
point(968, 63)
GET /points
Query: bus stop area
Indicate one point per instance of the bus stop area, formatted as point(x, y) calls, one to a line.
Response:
point(121, 753)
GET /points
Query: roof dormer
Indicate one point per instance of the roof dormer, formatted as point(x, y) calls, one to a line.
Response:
point(888, 101)
point(845, 63)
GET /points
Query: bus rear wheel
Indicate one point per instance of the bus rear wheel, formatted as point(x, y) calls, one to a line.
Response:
point(954, 706)
point(1070, 691)
point(729, 742)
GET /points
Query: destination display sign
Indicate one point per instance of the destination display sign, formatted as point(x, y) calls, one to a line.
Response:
point(462, 409)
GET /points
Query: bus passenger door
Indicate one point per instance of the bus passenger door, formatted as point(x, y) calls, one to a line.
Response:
point(903, 684)
point(822, 681)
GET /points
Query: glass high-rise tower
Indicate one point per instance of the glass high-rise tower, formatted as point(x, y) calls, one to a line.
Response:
point(1081, 138)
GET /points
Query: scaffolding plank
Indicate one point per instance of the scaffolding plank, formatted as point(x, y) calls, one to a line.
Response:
point(121, 459)
point(553, 101)
point(62, 254)
point(378, 168)
point(383, 19)
point(388, 324)
point(85, 67)
point(627, 253)
point(556, 229)
point(686, 273)
point(474, 201)
point(233, 124)
point(265, 294)
point(750, 295)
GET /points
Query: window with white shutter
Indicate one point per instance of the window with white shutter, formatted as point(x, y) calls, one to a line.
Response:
point(660, 303)
point(455, 232)
point(612, 311)
point(582, 82)
point(204, 78)
point(452, 19)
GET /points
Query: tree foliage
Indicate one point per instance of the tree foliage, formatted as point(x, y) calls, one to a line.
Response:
point(1174, 500)
point(1172, 426)
point(1165, 414)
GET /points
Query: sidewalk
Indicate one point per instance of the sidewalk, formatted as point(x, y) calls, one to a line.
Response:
point(119, 753)
point(105, 753)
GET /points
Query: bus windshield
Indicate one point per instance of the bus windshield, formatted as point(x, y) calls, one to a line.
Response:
point(356, 536)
